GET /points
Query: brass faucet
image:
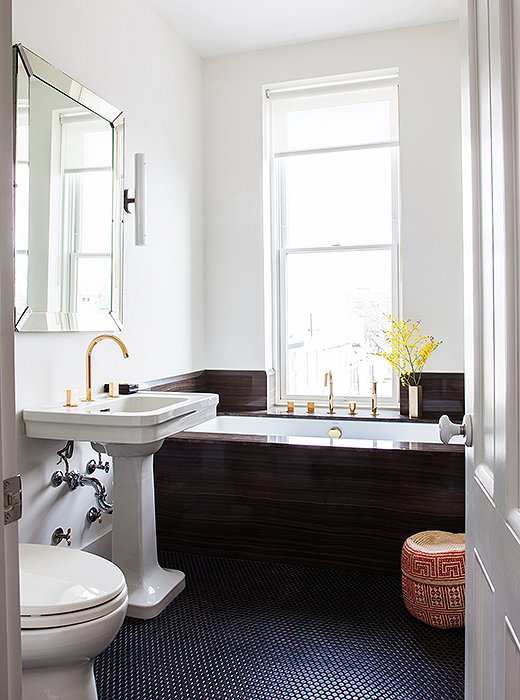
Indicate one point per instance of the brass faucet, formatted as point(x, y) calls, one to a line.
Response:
point(91, 346)
point(373, 402)
point(328, 380)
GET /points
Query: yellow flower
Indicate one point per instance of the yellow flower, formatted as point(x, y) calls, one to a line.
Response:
point(409, 350)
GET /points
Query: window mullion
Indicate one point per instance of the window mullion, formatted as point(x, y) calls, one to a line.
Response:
point(335, 149)
point(339, 248)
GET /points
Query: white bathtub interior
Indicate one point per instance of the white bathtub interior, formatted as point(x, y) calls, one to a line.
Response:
point(374, 430)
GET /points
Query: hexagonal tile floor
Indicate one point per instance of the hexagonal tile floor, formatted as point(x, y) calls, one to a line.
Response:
point(251, 630)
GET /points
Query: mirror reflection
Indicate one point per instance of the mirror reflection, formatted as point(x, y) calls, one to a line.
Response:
point(68, 204)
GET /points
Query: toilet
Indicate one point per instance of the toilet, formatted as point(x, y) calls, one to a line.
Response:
point(72, 605)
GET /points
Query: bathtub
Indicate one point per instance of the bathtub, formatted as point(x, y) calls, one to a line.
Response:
point(371, 430)
point(279, 489)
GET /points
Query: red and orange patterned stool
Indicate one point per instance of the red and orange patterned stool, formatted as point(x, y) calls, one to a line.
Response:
point(433, 577)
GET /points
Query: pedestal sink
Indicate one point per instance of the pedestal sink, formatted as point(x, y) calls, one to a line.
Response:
point(130, 429)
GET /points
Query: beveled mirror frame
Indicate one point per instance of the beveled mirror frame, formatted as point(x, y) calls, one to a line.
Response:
point(30, 319)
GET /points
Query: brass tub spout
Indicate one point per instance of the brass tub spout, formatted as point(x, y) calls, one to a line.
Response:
point(328, 380)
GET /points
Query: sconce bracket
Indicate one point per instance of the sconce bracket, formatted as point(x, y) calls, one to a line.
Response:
point(127, 200)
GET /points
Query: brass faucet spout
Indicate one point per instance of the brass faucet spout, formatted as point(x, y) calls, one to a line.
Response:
point(91, 346)
point(373, 402)
point(328, 380)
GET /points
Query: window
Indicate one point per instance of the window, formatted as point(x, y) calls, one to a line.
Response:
point(82, 196)
point(334, 200)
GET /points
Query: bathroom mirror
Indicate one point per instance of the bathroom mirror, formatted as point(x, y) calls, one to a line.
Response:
point(69, 147)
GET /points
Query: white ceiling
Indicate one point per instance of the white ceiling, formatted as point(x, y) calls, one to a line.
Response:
point(217, 27)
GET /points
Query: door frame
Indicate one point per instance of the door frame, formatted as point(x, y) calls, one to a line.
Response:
point(490, 205)
point(10, 636)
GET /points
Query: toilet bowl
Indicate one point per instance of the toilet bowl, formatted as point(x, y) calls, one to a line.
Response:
point(72, 605)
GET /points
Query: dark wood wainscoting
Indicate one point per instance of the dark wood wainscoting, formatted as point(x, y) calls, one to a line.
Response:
point(303, 504)
point(239, 390)
point(443, 392)
point(254, 390)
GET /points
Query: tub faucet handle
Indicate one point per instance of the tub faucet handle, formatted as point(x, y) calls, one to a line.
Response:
point(94, 514)
point(92, 465)
point(58, 535)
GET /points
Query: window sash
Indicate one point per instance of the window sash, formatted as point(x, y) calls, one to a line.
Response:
point(281, 328)
point(306, 102)
point(280, 195)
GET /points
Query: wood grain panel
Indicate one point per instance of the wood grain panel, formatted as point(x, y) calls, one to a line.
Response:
point(254, 390)
point(303, 504)
point(192, 381)
point(239, 390)
point(443, 392)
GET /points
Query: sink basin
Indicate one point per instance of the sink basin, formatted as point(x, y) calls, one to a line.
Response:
point(130, 429)
point(141, 418)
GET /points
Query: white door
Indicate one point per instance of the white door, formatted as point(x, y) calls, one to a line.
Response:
point(491, 135)
point(10, 655)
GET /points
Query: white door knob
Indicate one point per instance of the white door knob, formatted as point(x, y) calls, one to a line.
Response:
point(447, 429)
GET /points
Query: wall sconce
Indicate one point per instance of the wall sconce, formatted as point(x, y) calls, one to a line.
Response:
point(139, 199)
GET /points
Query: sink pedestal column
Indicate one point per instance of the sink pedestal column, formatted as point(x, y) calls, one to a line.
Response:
point(134, 543)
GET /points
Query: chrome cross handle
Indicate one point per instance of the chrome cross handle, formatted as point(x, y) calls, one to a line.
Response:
point(447, 429)
point(59, 534)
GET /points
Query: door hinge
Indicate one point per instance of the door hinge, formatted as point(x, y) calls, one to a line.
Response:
point(12, 499)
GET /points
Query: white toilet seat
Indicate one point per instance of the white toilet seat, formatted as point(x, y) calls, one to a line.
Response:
point(60, 587)
point(30, 622)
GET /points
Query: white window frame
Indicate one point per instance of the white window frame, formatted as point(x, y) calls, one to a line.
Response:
point(279, 249)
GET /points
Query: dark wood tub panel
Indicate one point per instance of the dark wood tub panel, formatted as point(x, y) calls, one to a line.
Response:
point(347, 508)
point(443, 392)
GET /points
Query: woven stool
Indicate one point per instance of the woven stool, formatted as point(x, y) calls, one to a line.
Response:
point(433, 570)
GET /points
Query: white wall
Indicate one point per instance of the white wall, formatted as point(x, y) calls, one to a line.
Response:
point(124, 51)
point(428, 61)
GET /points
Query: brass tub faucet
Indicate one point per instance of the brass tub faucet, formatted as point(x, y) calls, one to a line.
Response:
point(373, 401)
point(328, 380)
point(91, 346)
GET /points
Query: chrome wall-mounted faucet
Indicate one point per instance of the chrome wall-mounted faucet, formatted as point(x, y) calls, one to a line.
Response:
point(328, 380)
point(74, 479)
